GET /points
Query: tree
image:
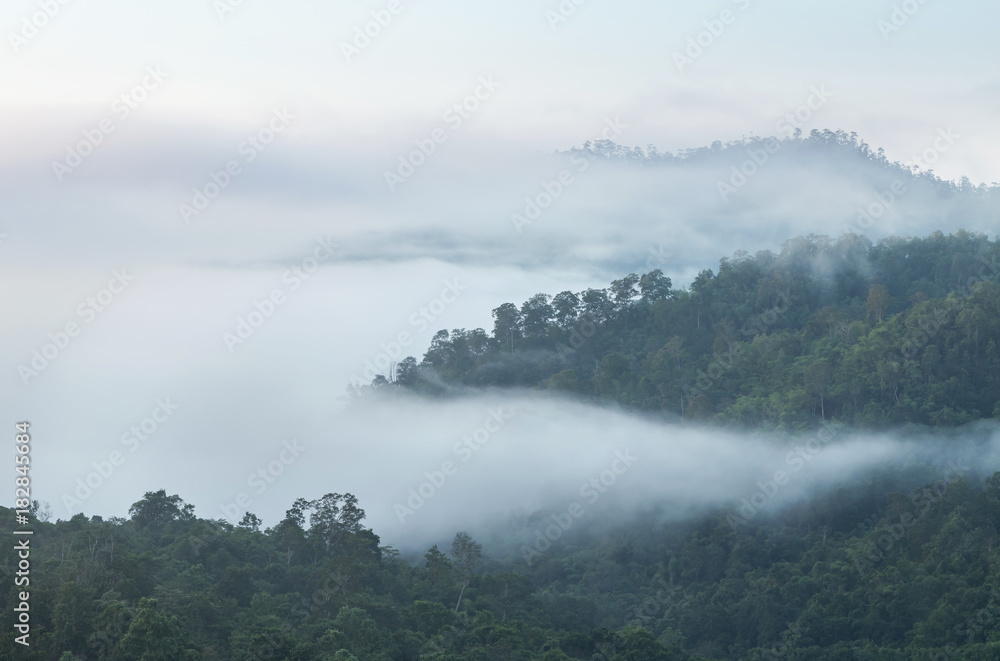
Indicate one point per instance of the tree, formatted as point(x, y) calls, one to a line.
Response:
point(535, 315)
point(613, 374)
point(566, 307)
point(73, 615)
point(624, 291)
point(156, 509)
point(654, 286)
point(296, 514)
point(344, 655)
point(156, 636)
point(597, 305)
point(878, 302)
point(407, 372)
point(441, 350)
point(250, 521)
point(361, 630)
point(334, 517)
point(41, 510)
point(817, 382)
point(468, 555)
point(289, 533)
point(674, 350)
point(700, 292)
point(507, 325)
point(437, 565)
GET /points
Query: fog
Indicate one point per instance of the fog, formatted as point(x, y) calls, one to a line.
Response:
point(389, 271)
point(346, 239)
point(551, 453)
point(426, 469)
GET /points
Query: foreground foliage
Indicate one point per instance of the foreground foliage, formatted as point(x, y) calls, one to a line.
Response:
point(858, 574)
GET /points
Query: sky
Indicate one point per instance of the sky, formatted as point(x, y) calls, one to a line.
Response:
point(350, 172)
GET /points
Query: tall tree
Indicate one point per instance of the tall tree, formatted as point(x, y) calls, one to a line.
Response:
point(596, 305)
point(536, 313)
point(156, 509)
point(566, 306)
point(468, 555)
point(817, 382)
point(654, 286)
point(878, 302)
point(507, 325)
point(624, 291)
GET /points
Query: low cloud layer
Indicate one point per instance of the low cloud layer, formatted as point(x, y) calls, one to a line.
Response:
point(424, 470)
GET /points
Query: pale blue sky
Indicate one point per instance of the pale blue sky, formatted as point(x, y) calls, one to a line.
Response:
point(607, 58)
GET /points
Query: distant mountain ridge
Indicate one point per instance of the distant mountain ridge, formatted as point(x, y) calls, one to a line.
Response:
point(817, 142)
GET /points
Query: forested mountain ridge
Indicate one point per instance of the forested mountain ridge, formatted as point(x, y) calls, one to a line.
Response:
point(837, 150)
point(903, 331)
point(863, 573)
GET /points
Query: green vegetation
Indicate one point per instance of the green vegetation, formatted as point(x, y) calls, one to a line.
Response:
point(856, 574)
point(844, 331)
point(905, 331)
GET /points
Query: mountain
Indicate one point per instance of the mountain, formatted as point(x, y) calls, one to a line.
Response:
point(872, 335)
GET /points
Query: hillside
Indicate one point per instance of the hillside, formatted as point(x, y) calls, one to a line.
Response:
point(897, 562)
point(867, 573)
point(871, 335)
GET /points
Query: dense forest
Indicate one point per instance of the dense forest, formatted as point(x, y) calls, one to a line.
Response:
point(866, 573)
point(898, 564)
point(902, 331)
